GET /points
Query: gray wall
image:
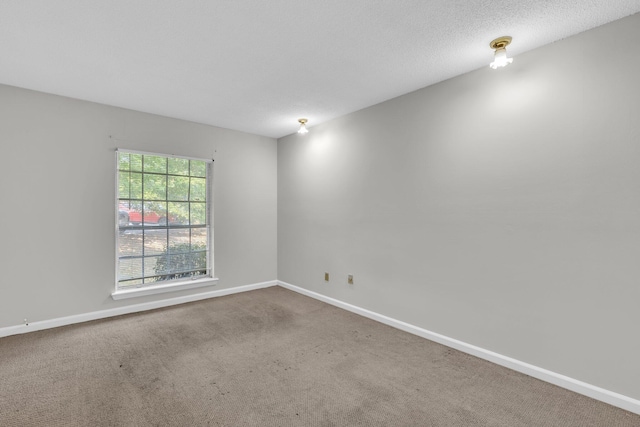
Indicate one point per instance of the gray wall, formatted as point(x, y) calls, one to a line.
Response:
point(57, 183)
point(500, 208)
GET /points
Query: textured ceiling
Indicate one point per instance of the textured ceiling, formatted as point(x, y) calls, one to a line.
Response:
point(257, 65)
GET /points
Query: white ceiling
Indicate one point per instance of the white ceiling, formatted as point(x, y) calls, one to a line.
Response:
point(259, 65)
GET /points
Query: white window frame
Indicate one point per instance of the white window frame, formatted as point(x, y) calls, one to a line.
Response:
point(176, 284)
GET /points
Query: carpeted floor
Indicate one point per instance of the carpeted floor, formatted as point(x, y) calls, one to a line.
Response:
point(268, 358)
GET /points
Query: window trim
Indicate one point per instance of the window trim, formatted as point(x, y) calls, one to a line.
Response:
point(160, 289)
point(178, 284)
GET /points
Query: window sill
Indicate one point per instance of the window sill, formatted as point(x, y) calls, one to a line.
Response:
point(170, 287)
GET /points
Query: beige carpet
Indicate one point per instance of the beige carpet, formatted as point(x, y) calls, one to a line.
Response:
point(267, 358)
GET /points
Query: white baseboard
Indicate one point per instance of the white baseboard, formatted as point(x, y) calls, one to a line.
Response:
point(610, 397)
point(118, 311)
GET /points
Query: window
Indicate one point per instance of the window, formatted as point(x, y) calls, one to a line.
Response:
point(163, 220)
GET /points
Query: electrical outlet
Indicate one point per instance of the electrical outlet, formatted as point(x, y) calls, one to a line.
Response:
point(350, 279)
point(326, 277)
point(26, 322)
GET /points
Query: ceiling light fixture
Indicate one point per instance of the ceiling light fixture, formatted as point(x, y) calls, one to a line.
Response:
point(303, 126)
point(500, 57)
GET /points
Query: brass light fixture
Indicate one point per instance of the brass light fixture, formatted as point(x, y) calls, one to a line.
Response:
point(500, 57)
point(303, 126)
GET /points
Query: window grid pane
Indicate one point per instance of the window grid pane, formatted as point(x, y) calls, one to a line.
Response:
point(163, 231)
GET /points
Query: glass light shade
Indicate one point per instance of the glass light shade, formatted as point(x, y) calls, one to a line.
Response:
point(500, 59)
point(303, 129)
